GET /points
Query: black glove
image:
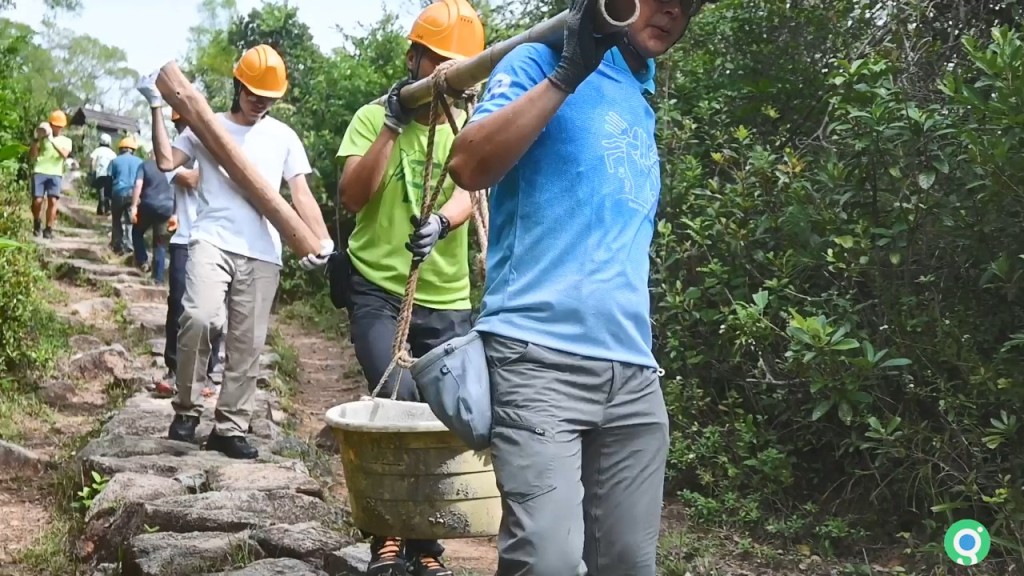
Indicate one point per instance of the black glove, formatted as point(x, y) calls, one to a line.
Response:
point(397, 116)
point(426, 235)
point(583, 51)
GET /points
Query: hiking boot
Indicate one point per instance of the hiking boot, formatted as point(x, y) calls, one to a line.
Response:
point(183, 428)
point(37, 228)
point(386, 558)
point(48, 232)
point(232, 446)
point(427, 565)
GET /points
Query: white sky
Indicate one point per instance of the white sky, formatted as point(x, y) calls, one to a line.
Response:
point(152, 32)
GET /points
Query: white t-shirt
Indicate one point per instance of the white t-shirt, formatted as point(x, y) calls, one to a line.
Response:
point(100, 158)
point(187, 203)
point(224, 217)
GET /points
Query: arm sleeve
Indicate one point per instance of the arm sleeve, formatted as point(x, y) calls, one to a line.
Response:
point(361, 131)
point(296, 162)
point(520, 70)
point(186, 142)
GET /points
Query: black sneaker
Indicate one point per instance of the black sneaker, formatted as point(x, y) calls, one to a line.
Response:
point(386, 557)
point(427, 565)
point(183, 428)
point(236, 447)
point(37, 228)
point(48, 232)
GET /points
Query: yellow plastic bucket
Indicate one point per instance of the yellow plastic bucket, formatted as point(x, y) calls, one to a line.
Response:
point(409, 476)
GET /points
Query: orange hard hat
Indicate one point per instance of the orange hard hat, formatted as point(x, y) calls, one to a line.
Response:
point(261, 69)
point(175, 115)
point(58, 118)
point(128, 142)
point(451, 28)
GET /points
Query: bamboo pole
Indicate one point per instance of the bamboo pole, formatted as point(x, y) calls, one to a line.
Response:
point(263, 195)
point(613, 15)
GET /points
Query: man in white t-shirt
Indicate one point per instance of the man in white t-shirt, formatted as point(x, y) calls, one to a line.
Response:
point(99, 170)
point(184, 181)
point(234, 251)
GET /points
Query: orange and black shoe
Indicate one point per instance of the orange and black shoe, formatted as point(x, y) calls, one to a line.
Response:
point(428, 565)
point(386, 557)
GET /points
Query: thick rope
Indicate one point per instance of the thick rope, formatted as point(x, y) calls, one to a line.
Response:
point(400, 356)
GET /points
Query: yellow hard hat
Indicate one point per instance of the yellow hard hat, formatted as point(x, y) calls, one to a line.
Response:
point(128, 142)
point(58, 118)
point(261, 69)
point(451, 28)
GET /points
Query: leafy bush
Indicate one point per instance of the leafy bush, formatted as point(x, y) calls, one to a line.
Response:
point(30, 334)
point(839, 325)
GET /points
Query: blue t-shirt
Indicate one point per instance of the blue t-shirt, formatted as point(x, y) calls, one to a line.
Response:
point(124, 172)
point(571, 224)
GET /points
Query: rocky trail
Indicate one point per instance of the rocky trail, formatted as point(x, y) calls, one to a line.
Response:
point(152, 506)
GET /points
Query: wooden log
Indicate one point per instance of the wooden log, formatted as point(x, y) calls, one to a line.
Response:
point(613, 15)
point(264, 196)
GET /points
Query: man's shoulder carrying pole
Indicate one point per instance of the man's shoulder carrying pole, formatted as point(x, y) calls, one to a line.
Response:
point(183, 97)
point(464, 74)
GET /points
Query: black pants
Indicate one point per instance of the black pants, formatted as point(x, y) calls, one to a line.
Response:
point(176, 291)
point(373, 320)
point(120, 224)
point(104, 188)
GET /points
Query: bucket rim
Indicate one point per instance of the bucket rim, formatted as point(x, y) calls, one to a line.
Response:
point(334, 419)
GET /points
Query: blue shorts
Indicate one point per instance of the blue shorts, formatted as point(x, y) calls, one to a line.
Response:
point(46, 185)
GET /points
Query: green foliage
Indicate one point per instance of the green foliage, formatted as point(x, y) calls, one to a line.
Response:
point(838, 321)
point(30, 335)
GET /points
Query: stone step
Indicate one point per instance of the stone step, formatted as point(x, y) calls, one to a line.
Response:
point(150, 317)
point(141, 293)
point(95, 270)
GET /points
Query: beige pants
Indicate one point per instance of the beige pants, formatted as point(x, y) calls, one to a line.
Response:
point(249, 286)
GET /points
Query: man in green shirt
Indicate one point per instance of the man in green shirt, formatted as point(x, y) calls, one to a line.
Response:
point(384, 151)
point(48, 152)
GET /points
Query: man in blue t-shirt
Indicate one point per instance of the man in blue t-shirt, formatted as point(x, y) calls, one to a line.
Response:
point(580, 429)
point(124, 179)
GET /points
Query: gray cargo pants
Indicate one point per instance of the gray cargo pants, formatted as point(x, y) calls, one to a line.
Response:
point(211, 275)
point(579, 448)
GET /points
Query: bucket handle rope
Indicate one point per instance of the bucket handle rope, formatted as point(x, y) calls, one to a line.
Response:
point(400, 357)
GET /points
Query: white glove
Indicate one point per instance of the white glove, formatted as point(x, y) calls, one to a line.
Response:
point(312, 261)
point(147, 87)
point(44, 130)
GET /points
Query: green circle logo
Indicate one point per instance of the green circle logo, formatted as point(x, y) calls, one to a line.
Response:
point(967, 542)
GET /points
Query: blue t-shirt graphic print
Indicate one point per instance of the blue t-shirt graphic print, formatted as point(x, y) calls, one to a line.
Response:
point(571, 224)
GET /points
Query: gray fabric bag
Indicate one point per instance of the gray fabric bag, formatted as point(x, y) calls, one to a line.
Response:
point(453, 379)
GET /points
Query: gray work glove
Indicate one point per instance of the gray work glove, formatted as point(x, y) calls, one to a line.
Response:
point(583, 50)
point(397, 116)
point(426, 235)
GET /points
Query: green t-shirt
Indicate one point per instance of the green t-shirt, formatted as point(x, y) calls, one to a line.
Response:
point(377, 244)
point(49, 161)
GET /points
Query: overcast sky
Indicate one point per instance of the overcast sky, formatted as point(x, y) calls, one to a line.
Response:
point(152, 32)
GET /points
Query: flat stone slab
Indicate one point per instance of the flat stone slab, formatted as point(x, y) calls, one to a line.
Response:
point(151, 317)
point(265, 477)
point(164, 554)
point(94, 308)
point(129, 487)
point(309, 541)
point(118, 446)
point(96, 269)
point(216, 512)
point(348, 561)
point(106, 361)
point(274, 567)
point(141, 293)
